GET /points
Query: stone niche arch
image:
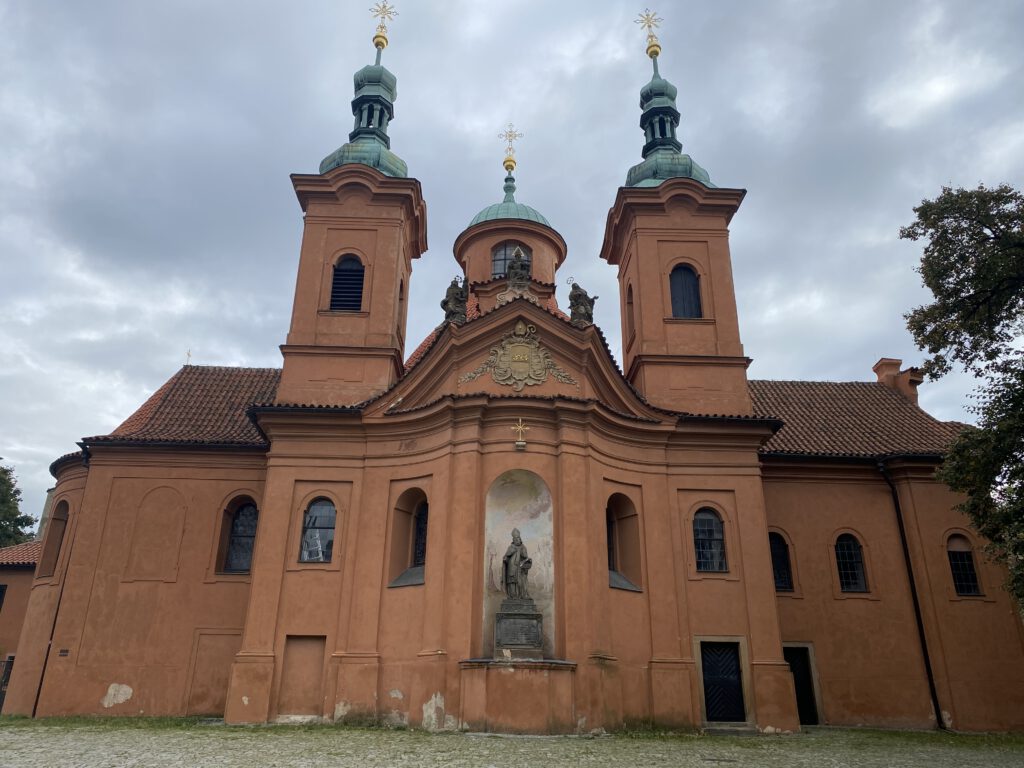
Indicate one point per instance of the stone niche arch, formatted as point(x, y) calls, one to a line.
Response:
point(519, 499)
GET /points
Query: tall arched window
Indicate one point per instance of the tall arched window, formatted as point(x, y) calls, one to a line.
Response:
point(504, 252)
point(53, 540)
point(630, 318)
point(684, 285)
point(238, 536)
point(419, 536)
point(850, 564)
point(961, 565)
point(318, 532)
point(709, 541)
point(347, 285)
point(409, 526)
point(622, 525)
point(780, 562)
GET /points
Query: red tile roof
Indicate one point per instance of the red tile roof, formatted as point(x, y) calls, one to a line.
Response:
point(853, 418)
point(21, 554)
point(203, 405)
point(207, 405)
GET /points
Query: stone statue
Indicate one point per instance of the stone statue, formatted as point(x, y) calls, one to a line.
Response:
point(515, 567)
point(518, 270)
point(454, 303)
point(581, 306)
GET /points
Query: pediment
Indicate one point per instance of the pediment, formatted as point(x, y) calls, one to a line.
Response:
point(518, 350)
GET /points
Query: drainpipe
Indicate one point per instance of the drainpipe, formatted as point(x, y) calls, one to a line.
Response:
point(913, 595)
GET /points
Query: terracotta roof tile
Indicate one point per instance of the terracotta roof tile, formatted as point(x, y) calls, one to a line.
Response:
point(207, 405)
point(854, 418)
point(22, 554)
point(203, 405)
point(424, 347)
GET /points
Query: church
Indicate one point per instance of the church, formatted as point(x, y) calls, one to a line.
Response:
point(503, 530)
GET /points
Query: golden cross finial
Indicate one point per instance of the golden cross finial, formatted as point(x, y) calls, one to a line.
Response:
point(509, 135)
point(519, 428)
point(385, 12)
point(650, 21)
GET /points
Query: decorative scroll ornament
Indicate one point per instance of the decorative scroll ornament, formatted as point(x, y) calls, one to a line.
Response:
point(520, 361)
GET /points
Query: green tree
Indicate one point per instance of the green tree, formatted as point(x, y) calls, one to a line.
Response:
point(12, 522)
point(973, 263)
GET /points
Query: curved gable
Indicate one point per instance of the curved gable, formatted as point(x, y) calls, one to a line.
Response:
point(519, 349)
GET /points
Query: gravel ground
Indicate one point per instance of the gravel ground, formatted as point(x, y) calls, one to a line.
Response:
point(84, 744)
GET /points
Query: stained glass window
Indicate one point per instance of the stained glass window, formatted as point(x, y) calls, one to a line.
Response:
point(238, 557)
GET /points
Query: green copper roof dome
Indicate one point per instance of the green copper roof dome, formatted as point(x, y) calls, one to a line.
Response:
point(509, 208)
point(663, 158)
point(376, 90)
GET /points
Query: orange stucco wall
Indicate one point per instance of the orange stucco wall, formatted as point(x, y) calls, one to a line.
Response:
point(867, 653)
point(18, 581)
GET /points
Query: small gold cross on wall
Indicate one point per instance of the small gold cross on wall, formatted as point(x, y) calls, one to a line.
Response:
point(520, 429)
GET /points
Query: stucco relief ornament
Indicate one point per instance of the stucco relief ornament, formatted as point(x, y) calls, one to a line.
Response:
point(520, 361)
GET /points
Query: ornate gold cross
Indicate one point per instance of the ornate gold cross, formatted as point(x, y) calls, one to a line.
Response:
point(385, 12)
point(650, 21)
point(509, 135)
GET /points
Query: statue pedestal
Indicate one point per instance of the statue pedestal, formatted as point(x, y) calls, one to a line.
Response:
point(517, 630)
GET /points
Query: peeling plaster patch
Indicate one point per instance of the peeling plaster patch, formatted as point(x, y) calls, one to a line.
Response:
point(581, 724)
point(947, 719)
point(341, 709)
point(771, 729)
point(394, 693)
point(298, 719)
point(397, 719)
point(433, 714)
point(117, 693)
point(245, 701)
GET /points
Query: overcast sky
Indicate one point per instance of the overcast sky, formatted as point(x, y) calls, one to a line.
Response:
point(145, 147)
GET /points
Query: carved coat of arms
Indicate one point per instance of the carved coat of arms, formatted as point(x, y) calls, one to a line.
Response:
point(520, 361)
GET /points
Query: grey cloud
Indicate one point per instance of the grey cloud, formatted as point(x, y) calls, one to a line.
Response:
point(145, 207)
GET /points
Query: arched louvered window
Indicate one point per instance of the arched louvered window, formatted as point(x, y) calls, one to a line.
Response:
point(961, 566)
point(504, 252)
point(239, 535)
point(347, 285)
point(709, 541)
point(850, 564)
point(781, 568)
point(684, 285)
point(318, 532)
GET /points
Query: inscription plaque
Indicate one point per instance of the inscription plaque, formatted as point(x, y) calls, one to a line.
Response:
point(518, 630)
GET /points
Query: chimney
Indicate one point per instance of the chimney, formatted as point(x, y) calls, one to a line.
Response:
point(887, 369)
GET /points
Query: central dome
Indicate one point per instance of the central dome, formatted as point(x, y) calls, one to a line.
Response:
point(509, 208)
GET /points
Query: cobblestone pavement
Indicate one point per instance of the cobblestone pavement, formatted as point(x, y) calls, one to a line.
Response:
point(135, 745)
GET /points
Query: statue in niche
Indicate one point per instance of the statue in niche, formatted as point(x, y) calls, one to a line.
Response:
point(518, 270)
point(581, 306)
point(454, 303)
point(515, 567)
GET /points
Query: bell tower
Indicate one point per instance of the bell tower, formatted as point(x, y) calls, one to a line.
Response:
point(365, 221)
point(668, 234)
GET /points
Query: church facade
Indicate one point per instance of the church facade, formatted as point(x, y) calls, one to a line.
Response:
point(504, 530)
